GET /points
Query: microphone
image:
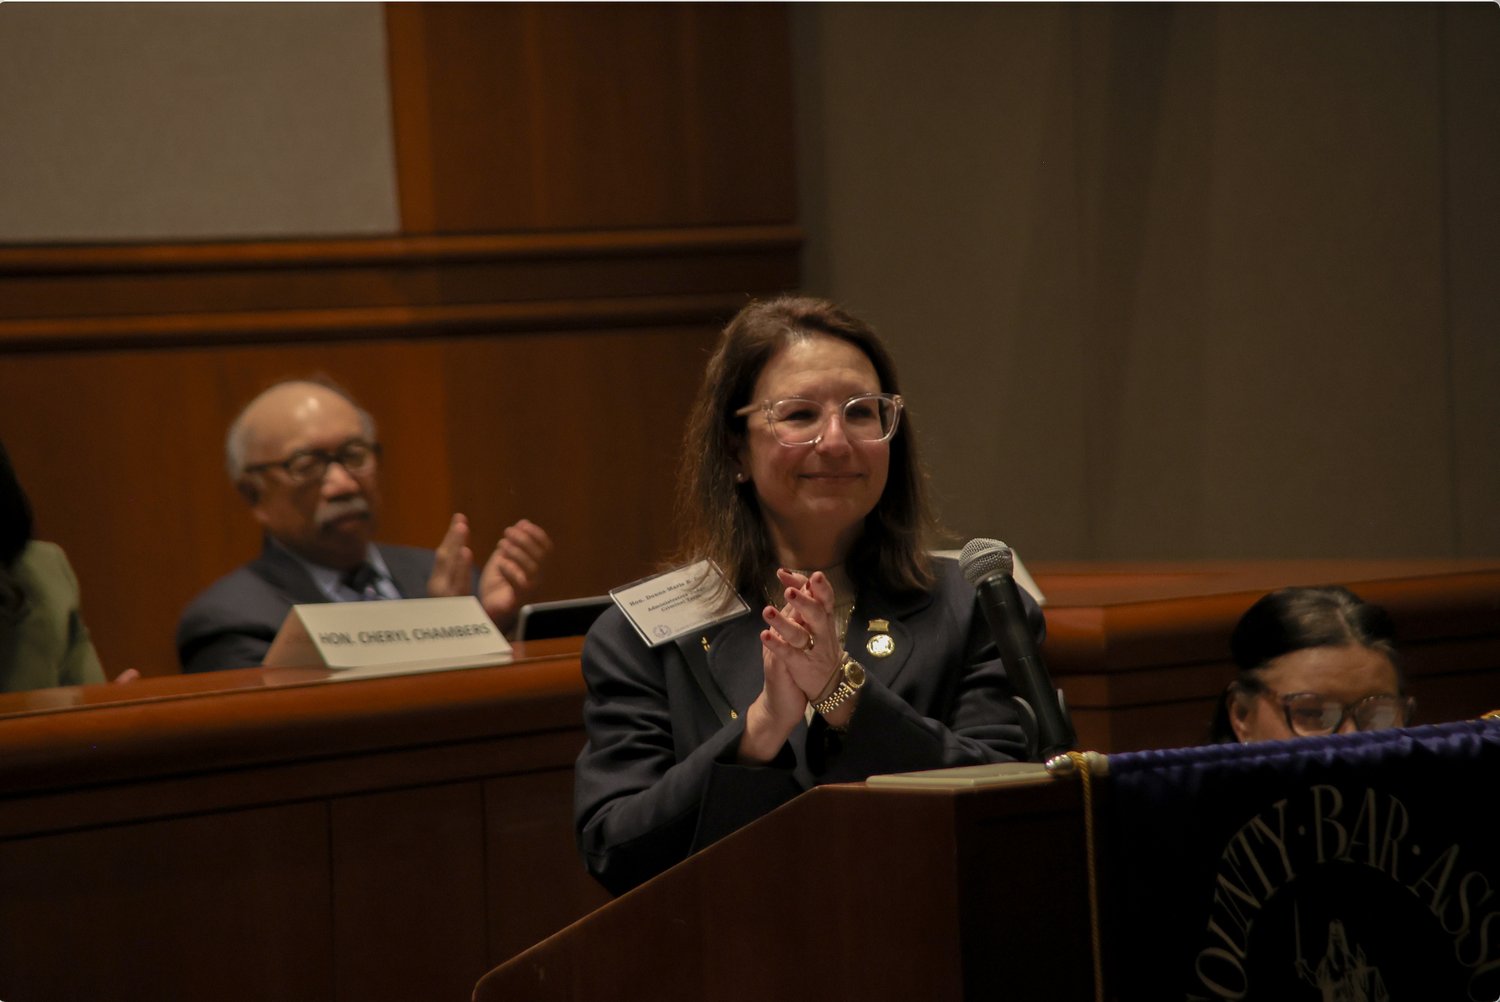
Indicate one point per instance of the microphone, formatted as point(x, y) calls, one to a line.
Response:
point(987, 564)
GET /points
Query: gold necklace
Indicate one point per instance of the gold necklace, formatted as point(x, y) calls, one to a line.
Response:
point(843, 621)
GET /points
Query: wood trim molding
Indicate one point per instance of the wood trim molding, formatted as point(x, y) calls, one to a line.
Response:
point(233, 723)
point(1188, 620)
point(358, 323)
point(85, 259)
point(208, 295)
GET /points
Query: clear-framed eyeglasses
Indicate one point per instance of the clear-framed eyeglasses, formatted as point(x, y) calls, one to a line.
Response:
point(356, 456)
point(1312, 714)
point(866, 417)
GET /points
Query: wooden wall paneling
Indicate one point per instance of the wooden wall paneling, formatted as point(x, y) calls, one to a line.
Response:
point(121, 367)
point(582, 433)
point(703, 929)
point(224, 787)
point(116, 288)
point(204, 291)
point(553, 116)
point(1170, 706)
point(991, 829)
point(122, 455)
point(1162, 724)
point(238, 722)
point(1143, 658)
point(1453, 680)
point(344, 837)
point(535, 877)
point(409, 893)
point(231, 906)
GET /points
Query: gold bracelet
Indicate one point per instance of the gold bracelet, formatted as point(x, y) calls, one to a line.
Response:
point(824, 706)
point(851, 680)
point(833, 683)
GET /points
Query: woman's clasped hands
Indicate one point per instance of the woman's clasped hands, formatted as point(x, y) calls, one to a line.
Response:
point(800, 655)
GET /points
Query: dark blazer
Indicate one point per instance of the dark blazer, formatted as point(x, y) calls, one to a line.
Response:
point(232, 623)
point(657, 779)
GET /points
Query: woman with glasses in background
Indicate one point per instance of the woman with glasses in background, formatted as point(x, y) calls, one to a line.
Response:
point(861, 655)
point(1312, 661)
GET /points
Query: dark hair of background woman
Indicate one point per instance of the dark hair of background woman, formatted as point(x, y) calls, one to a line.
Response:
point(15, 533)
point(1295, 619)
point(721, 519)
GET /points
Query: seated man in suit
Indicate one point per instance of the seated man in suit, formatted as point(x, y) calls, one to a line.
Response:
point(305, 457)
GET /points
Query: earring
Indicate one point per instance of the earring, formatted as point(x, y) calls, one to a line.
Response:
point(740, 478)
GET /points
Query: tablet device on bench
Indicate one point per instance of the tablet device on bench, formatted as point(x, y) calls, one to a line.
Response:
point(569, 617)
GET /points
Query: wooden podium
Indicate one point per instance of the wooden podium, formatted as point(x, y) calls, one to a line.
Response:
point(848, 892)
point(856, 892)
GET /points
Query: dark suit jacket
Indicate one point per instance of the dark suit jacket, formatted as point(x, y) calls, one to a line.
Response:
point(232, 623)
point(657, 779)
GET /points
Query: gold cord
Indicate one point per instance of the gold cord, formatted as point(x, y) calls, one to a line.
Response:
point(1081, 764)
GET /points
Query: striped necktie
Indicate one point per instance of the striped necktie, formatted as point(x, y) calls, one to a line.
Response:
point(361, 580)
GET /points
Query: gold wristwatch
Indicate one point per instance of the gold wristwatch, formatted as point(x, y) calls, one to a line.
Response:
point(853, 679)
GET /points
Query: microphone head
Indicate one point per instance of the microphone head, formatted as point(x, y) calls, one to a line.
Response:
point(982, 557)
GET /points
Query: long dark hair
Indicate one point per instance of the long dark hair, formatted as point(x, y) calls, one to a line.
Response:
point(15, 534)
point(722, 520)
point(1295, 619)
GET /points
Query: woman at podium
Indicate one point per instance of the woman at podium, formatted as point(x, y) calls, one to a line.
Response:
point(858, 653)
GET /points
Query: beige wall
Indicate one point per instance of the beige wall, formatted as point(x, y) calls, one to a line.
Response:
point(127, 122)
point(1174, 281)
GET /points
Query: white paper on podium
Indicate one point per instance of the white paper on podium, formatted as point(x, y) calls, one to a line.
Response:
point(992, 774)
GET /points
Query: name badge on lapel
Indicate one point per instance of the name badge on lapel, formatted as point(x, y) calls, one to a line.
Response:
point(678, 602)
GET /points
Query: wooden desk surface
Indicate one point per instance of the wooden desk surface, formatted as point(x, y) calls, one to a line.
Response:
point(164, 687)
point(221, 720)
point(1140, 649)
point(282, 834)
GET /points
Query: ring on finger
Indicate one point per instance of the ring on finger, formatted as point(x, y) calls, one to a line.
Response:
point(809, 646)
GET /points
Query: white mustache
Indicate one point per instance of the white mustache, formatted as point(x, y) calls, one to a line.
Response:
point(332, 511)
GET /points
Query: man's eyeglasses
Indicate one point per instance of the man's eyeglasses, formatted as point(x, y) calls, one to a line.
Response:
point(1310, 714)
point(356, 456)
point(868, 417)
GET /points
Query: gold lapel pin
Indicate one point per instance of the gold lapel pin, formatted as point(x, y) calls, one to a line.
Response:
point(881, 645)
